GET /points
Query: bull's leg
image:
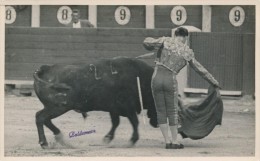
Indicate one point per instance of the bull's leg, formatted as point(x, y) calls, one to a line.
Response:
point(52, 127)
point(57, 133)
point(115, 122)
point(44, 117)
point(40, 118)
point(134, 121)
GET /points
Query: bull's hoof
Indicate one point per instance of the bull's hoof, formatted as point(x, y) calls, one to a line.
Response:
point(60, 139)
point(44, 145)
point(130, 144)
point(108, 138)
point(134, 140)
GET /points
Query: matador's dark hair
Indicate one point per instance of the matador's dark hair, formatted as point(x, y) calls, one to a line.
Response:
point(181, 32)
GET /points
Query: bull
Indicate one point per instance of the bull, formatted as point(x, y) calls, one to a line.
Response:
point(110, 85)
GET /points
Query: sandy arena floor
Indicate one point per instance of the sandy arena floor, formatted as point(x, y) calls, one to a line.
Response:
point(236, 137)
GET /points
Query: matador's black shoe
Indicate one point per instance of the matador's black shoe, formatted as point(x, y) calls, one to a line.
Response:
point(168, 146)
point(174, 146)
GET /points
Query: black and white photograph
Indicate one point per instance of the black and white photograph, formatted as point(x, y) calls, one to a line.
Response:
point(129, 80)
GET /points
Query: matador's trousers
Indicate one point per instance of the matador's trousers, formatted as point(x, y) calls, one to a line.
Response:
point(165, 93)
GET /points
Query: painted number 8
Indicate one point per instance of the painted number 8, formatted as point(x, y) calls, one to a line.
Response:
point(8, 14)
point(64, 14)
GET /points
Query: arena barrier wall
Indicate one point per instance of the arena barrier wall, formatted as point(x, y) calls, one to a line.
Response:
point(229, 57)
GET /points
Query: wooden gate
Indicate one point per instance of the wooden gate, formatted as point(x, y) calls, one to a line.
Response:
point(222, 55)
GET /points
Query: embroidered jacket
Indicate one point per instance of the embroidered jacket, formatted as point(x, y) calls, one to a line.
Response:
point(175, 56)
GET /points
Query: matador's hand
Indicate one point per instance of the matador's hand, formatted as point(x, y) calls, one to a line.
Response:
point(218, 92)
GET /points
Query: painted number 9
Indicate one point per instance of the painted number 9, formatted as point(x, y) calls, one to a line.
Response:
point(10, 15)
point(64, 15)
point(122, 15)
point(237, 16)
point(178, 15)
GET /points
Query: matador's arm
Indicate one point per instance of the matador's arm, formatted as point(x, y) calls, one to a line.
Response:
point(153, 44)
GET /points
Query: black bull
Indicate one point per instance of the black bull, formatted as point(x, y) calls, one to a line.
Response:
point(110, 85)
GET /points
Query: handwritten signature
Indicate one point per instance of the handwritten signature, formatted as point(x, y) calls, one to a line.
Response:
point(80, 133)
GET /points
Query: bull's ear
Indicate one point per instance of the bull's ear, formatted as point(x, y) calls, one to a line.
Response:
point(91, 68)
